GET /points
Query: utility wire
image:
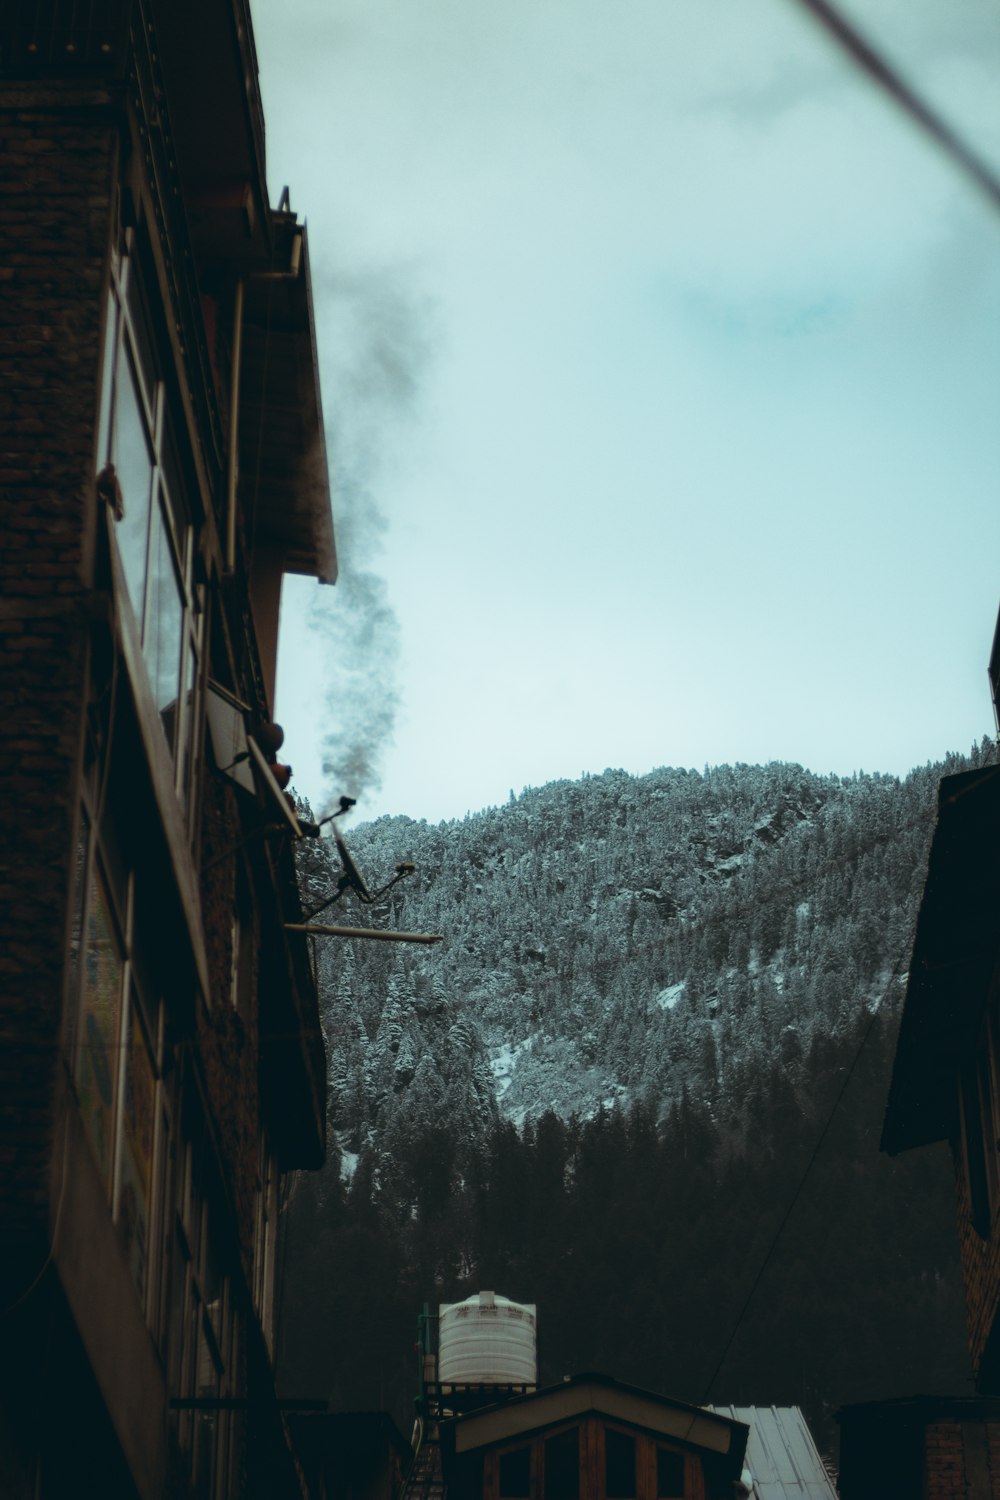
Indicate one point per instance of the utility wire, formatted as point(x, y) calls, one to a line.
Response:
point(776, 1237)
point(878, 68)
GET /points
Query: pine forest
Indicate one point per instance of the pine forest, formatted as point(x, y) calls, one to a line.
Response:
point(639, 1083)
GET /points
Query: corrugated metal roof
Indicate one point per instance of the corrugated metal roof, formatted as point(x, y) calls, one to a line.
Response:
point(782, 1461)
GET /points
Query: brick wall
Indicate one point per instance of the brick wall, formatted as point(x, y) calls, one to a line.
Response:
point(962, 1461)
point(944, 1462)
point(58, 149)
point(980, 1269)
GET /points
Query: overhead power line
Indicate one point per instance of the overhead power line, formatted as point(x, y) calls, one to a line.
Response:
point(876, 1012)
point(861, 51)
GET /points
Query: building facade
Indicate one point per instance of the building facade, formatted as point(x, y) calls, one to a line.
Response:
point(937, 1448)
point(162, 466)
point(946, 1076)
point(590, 1438)
point(946, 1087)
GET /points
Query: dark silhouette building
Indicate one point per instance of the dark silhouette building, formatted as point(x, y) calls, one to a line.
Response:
point(162, 466)
point(946, 1087)
point(946, 1075)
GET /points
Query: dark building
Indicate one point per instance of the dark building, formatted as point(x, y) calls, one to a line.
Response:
point(946, 1075)
point(927, 1447)
point(350, 1455)
point(946, 1087)
point(162, 465)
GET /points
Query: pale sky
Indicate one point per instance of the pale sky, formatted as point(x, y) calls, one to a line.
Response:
point(661, 368)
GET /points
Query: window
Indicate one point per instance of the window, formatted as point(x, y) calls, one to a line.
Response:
point(669, 1474)
point(619, 1465)
point(134, 1177)
point(515, 1474)
point(99, 1019)
point(592, 1460)
point(241, 954)
point(117, 1048)
point(988, 1111)
point(204, 1332)
point(266, 1239)
point(562, 1466)
point(152, 530)
point(979, 1117)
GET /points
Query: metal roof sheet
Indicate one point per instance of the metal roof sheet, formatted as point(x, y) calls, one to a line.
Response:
point(782, 1461)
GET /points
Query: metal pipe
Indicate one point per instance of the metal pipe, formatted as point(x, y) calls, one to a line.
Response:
point(319, 930)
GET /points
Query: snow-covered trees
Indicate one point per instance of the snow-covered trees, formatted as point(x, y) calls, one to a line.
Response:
point(670, 974)
point(756, 898)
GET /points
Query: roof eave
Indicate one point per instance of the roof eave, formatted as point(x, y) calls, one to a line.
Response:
point(954, 962)
point(285, 480)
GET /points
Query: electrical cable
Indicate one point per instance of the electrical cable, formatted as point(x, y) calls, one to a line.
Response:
point(881, 841)
point(878, 68)
point(876, 1011)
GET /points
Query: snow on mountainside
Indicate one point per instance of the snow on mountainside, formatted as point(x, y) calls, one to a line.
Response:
point(616, 939)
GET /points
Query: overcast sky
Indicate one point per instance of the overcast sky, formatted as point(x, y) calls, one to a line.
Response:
point(661, 366)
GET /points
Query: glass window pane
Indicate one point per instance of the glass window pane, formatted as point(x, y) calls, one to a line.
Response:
point(185, 749)
point(163, 637)
point(562, 1466)
point(107, 371)
point(134, 466)
point(142, 332)
point(164, 1284)
point(619, 1465)
point(669, 1474)
point(173, 473)
point(136, 1171)
point(96, 1069)
point(79, 894)
point(515, 1474)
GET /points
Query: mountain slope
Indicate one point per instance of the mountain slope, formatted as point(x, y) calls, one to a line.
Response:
point(618, 939)
point(641, 1083)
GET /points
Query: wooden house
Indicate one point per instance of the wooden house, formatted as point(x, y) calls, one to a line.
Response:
point(591, 1438)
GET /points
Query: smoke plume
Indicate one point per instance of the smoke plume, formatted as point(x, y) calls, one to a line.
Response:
point(376, 336)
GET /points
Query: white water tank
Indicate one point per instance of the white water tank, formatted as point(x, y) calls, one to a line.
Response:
point(487, 1340)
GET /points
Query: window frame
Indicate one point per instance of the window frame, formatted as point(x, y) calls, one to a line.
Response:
point(267, 1209)
point(132, 353)
point(592, 1439)
point(610, 1429)
point(139, 1011)
point(205, 1329)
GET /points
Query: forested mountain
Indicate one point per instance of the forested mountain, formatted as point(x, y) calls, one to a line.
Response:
point(601, 1091)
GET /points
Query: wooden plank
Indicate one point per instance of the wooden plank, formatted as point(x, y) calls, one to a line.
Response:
point(592, 1458)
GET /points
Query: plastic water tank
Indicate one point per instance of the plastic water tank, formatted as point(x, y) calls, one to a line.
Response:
point(487, 1340)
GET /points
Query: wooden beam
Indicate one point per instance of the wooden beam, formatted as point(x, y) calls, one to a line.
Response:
point(320, 930)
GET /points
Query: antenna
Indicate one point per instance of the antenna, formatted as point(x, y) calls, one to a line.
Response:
point(352, 878)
